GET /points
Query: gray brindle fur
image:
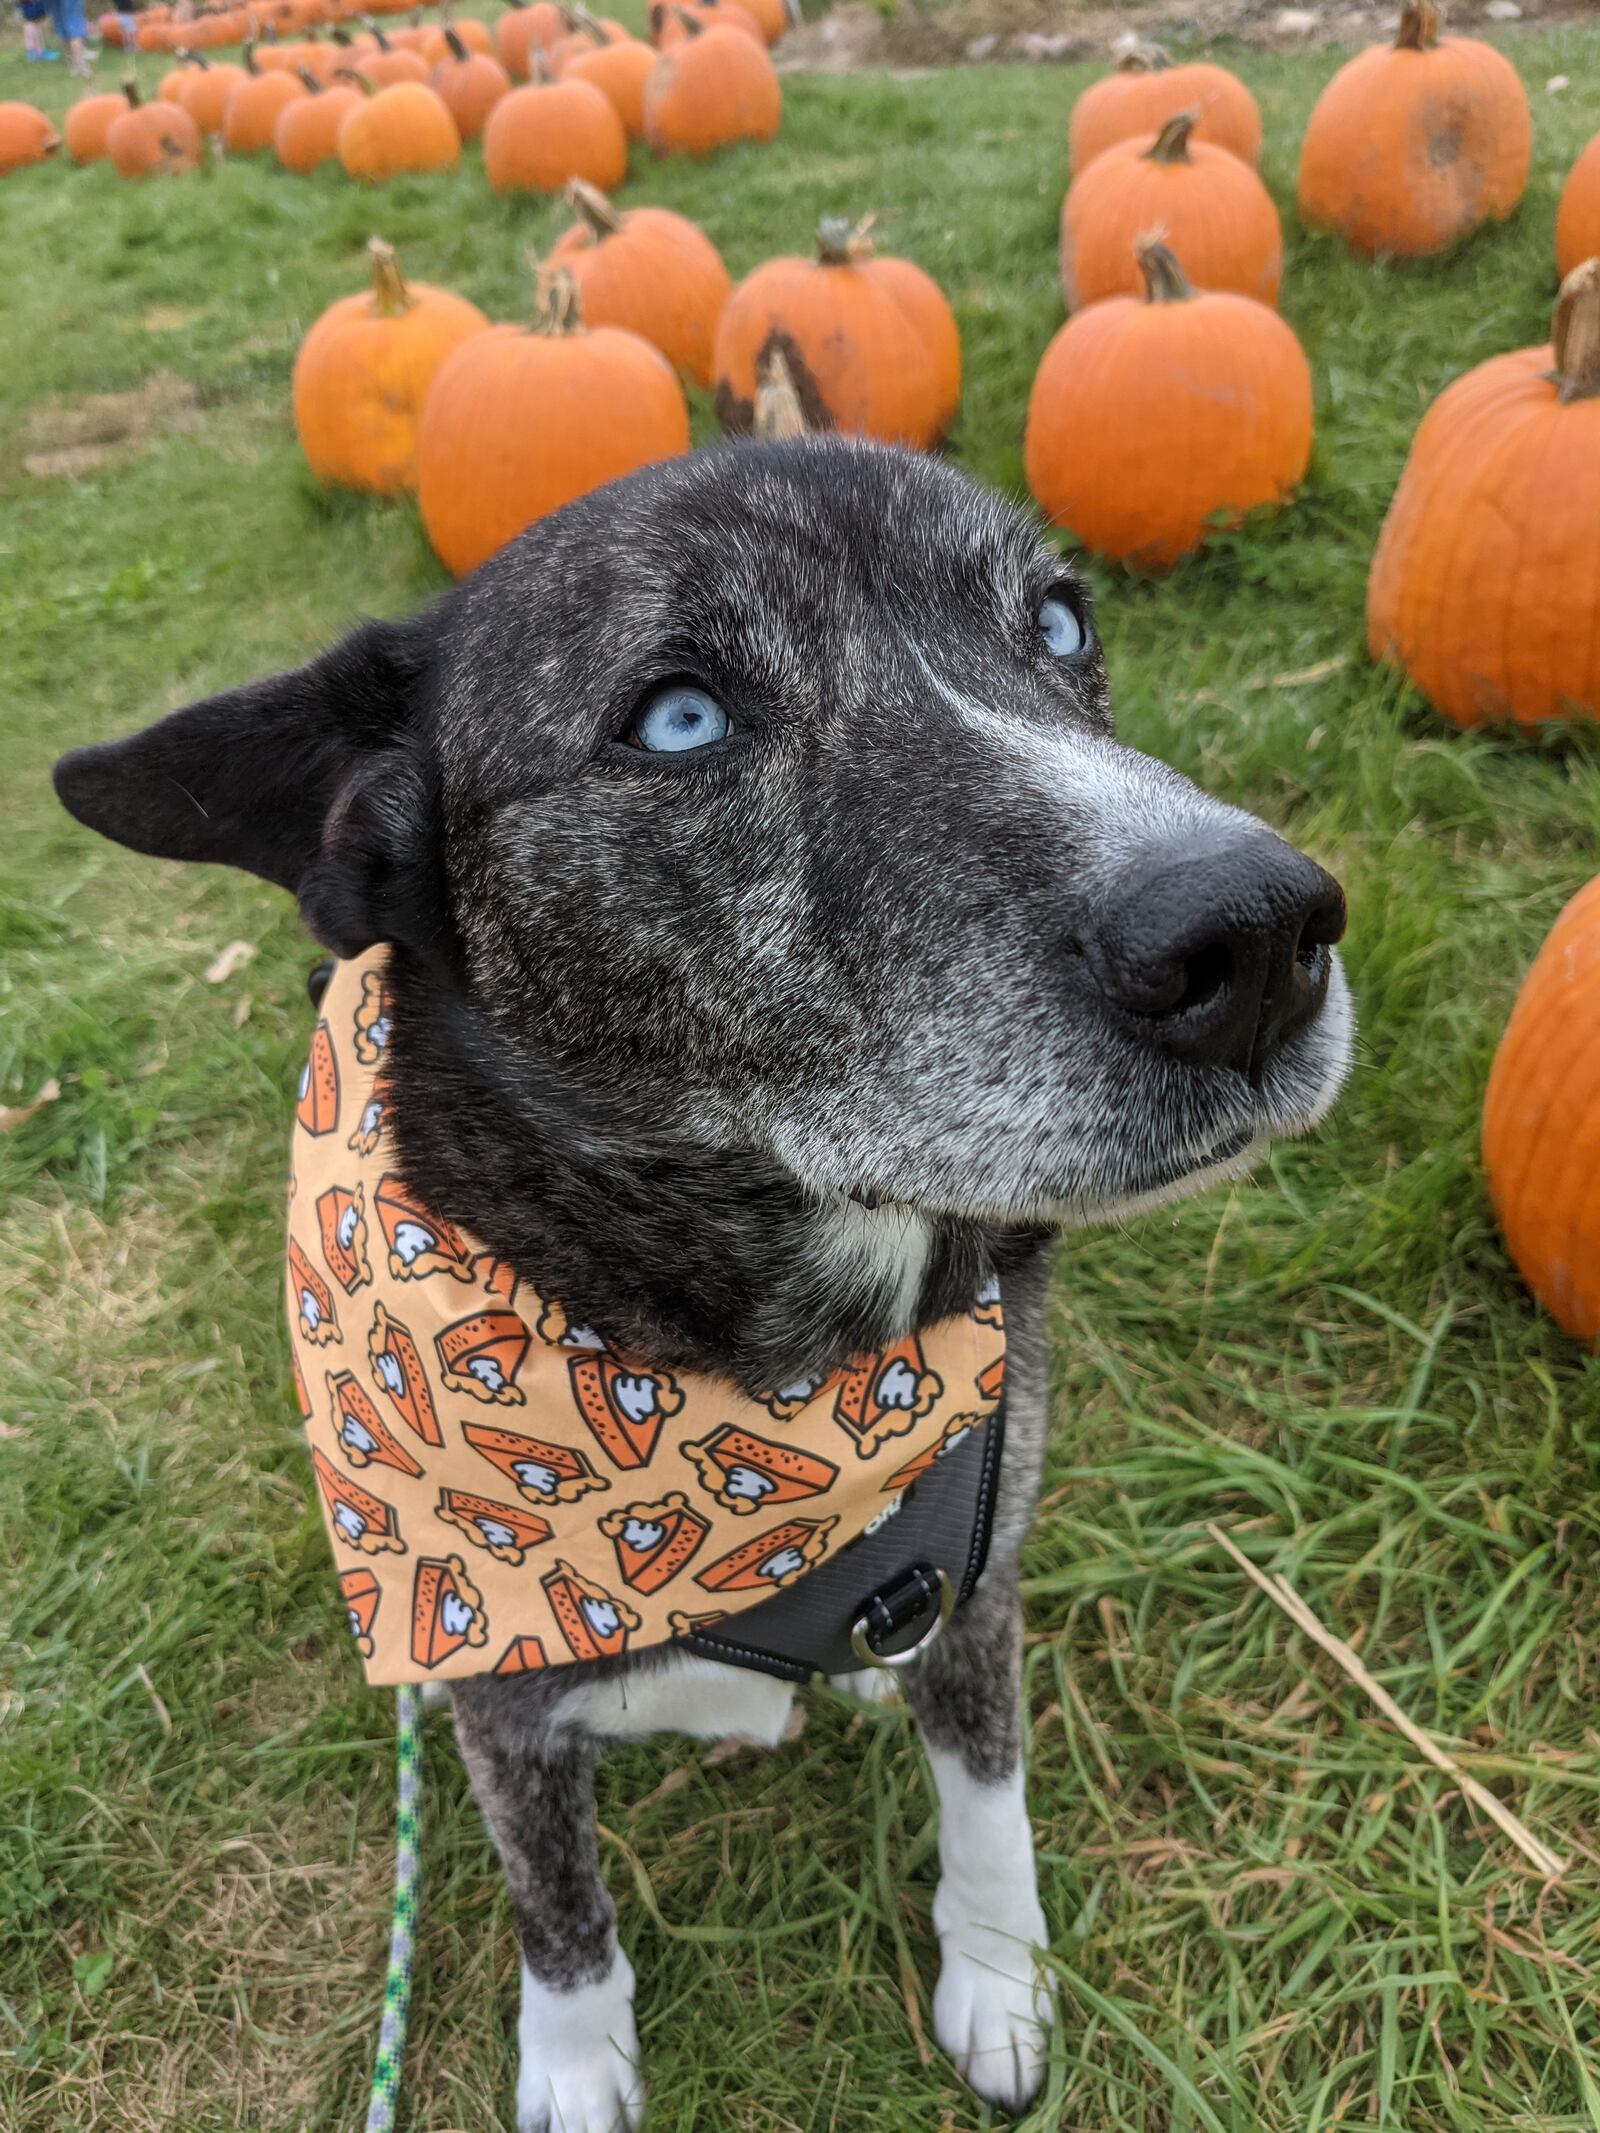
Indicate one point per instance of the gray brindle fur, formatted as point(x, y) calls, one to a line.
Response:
point(763, 1054)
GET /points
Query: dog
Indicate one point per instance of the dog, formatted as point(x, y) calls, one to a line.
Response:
point(782, 950)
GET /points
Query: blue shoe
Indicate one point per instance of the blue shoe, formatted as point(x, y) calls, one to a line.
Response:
point(46, 56)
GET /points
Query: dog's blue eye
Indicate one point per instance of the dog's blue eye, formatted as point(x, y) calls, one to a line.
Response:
point(1061, 630)
point(680, 718)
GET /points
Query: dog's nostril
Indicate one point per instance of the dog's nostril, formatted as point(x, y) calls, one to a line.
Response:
point(1205, 974)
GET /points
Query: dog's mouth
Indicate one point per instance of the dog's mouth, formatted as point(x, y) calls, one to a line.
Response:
point(1177, 1169)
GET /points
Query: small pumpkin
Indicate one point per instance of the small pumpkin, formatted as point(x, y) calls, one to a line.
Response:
point(364, 369)
point(1412, 145)
point(869, 342)
point(87, 123)
point(715, 87)
point(389, 63)
point(619, 72)
point(307, 132)
point(549, 131)
point(204, 93)
point(26, 136)
point(154, 139)
point(523, 30)
point(1152, 417)
point(253, 104)
point(402, 129)
point(647, 270)
point(1209, 207)
point(1485, 586)
point(1541, 1122)
point(1577, 216)
point(670, 22)
point(518, 422)
point(469, 84)
point(585, 32)
point(773, 17)
point(1145, 89)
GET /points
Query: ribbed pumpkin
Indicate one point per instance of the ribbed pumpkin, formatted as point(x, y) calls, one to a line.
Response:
point(671, 23)
point(204, 93)
point(541, 135)
point(585, 32)
point(307, 133)
point(619, 72)
point(469, 84)
point(363, 372)
point(869, 343)
point(87, 122)
point(1485, 586)
point(26, 136)
point(1145, 89)
point(389, 63)
point(251, 111)
point(524, 30)
point(1153, 416)
point(648, 271)
point(402, 130)
point(519, 422)
point(1411, 145)
point(1541, 1122)
point(1209, 207)
point(152, 140)
point(717, 86)
point(1577, 217)
point(169, 90)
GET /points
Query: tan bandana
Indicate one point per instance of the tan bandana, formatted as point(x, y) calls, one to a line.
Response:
point(502, 1490)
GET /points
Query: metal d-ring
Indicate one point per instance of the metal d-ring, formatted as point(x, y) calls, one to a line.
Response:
point(862, 1646)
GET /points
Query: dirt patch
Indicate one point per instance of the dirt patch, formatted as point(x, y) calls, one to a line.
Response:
point(64, 439)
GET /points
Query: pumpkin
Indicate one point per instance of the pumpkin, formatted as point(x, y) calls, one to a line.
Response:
point(670, 23)
point(363, 372)
point(1210, 208)
point(26, 136)
point(541, 135)
point(253, 104)
point(387, 63)
point(519, 422)
point(647, 270)
point(87, 123)
point(204, 93)
point(523, 30)
point(870, 345)
point(1153, 416)
point(1485, 586)
point(404, 128)
point(281, 58)
point(778, 410)
point(773, 17)
point(169, 90)
point(717, 86)
point(1577, 216)
point(1541, 1122)
point(584, 33)
point(619, 72)
point(151, 140)
point(109, 27)
point(1411, 145)
point(1145, 89)
point(469, 84)
point(307, 132)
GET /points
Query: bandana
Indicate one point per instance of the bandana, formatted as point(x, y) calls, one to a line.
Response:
point(502, 1489)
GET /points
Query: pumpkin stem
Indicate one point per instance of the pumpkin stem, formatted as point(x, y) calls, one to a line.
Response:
point(538, 66)
point(390, 296)
point(1576, 334)
point(313, 86)
point(592, 207)
point(1420, 23)
point(368, 24)
point(356, 81)
point(778, 410)
point(1171, 144)
point(452, 37)
point(247, 52)
point(692, 25)
point(130, 89)
point(841, 242)
point(557, 312)
point(1164, 280)
point(1143, 59)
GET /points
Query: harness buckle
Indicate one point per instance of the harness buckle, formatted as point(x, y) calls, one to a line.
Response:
point(893, 1608)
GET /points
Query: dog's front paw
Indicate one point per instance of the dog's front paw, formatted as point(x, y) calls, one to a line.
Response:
point(579, 2050)
point(992, 2013)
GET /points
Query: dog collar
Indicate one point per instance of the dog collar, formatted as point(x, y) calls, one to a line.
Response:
point(503, 1491)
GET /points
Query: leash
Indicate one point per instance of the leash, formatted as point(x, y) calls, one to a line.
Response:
point(402, 1925)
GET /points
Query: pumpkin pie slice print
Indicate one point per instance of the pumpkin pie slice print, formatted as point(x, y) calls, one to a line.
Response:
point(504, 1529)
point(542, 1472)
point(342, 1219)
point(374, 1018)
point(446, 1611)
point(955, 1431)
point(772, 1560)
point(368, 1129)
point(359, 1519)
point(362, 1594)
point(784, 1402)
point(311, 1300)
point(498, 1276)
point(744, 1472)
point(364, 1437)
point(986, 1306)
point(593, 1622)
point(624, 1407)
point(419, 1243)
point(992, 1379)
point(397, 1371)
point(481, 1355)
point(317, 1099)
point(557, 1327)
point(654, 1540)
point(682, 1624)
point(523, 1655)
point(882, 1396)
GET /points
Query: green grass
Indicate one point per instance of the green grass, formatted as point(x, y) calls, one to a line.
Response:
point(1269, 1917)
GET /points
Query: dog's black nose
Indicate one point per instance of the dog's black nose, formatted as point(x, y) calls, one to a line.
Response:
point(1221, 954)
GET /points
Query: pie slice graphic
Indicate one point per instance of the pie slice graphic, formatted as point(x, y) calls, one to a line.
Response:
point(419, 1243)
point(362, 1593)
point(498, 1276)
point(986, 1305)
point(398, 1372)
point(772, 1560)
point(654, 1540)
point(342, 1219)
point(368, 1129)
point(318, 1106)
point(364, 1437)
point(374, 1018)
point(481, 1355)
point(784, 1402)
point(504, 1529)
point(680, 1624)
point(594, 1623)
point(882, 1396)
point(359, 1519)
point(544, 1473)
point(744, 1471)
point(557, 1327)
point(914, 1469)
point(311, 1300)
point(624, 1408)
point(446, 1611)
point(523, 1655)
point(992, 1378)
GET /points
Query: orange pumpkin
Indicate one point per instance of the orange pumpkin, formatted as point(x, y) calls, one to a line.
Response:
point(389, 63)
point(619, 72)
point(584, 33)
point(469, 84)
point(671, 23)
point(109, 26)
point(403, 129)
point(717, 86)
point(152, 140)
point(307, 132)
point(1209, 207)
point(253, 104)
point(1411, 145)
point(541, 135)
point(1541, 1122)
point(363, 372)
point(1485, 586)
point(772, 17)
point(87, 123)
point(523, 30)
point(204, 93)
point(648, 271)
point(170, 87)
point(1145, 89)
point(1153, 416)
point(26, 136)
point(1577, 216)
point(520, 422)
point(869, 343)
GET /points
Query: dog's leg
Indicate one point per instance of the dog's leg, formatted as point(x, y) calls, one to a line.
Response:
point(991, 2008)
point(578, 2046)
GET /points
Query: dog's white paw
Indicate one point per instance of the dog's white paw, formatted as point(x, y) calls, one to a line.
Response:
point(868, 1684)
point(579, 2069)
point(992, 2014)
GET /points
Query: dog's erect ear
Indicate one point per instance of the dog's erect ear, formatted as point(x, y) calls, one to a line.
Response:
point(321, 780)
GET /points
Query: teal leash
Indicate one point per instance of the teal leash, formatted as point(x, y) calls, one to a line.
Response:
point(403, 1921)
